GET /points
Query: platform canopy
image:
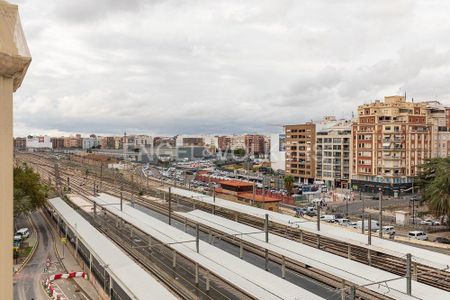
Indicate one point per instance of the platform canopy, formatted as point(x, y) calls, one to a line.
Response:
point(15, 56)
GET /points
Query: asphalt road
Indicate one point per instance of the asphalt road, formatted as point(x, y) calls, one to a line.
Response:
point(28, 283)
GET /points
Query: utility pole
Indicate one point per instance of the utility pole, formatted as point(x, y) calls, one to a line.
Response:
point(197, 238)
point(408, 274)
point(254, 193)
point(170, 207)
point(318, 216)
point(369, 233)
point(380, 221)
point(363, 214)
point(266, 231)
point(346, 207)
point(101, 177)
point(121, 200)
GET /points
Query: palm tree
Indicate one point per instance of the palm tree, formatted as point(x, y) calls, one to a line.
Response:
point(289, 184)
point(434, 182)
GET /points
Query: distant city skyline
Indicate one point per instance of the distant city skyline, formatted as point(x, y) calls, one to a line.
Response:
point(170, 67)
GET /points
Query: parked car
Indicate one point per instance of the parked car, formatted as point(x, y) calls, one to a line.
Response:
point(418, 235)
point(328, 218)
point(24, 233)
point(311, 213)
point(430, 222)
point(353, 224)
point(342, 221)
point(387, 229)
point(442, 240)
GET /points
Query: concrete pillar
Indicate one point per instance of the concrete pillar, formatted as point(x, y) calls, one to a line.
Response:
point(241, 249)
point(76, 246)
point(14, 61)
point(408, 274)
point(283, 267)
point(174, 259)
point(207, 280)
point(196, 274)
point(266, 257)
point(90, 265)
point(349, 251)
point(343, 293)
point(414, 275)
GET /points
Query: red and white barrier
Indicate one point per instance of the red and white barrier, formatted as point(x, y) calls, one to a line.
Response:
point(51, 290)
point(68, 275)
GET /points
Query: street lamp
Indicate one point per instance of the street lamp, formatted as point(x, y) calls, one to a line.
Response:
point(14, 61)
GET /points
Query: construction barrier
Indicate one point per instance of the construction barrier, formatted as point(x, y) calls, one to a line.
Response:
point(51, 290)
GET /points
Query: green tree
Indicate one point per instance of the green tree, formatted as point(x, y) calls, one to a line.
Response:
point(434, 183)
point(239, 152)
point(289, 184)
point(29, 193)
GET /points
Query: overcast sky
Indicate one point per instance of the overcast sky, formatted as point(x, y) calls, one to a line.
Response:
point(174, 66)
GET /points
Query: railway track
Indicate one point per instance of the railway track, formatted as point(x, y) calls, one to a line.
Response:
point(158, 260)
point(78, 184)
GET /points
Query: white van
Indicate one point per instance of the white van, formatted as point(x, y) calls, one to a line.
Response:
point(24, 233)
point(374, 223)
point(388, 229)
point(418, 235)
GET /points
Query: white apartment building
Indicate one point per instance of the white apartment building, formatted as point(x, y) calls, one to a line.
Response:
point(333, 140)
point(278, 151)
point(89, 143)
point(237, 142)
point(143, 141)
point(38, 142)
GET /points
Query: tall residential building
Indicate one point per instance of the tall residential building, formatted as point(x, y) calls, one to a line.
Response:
point(162, 141)
point(90, 142)
point(20, 143)
point(278, 151)
point(437, 117)
point(390, 140)
point(211, 142)
point(189, 140)
point(333, 152)
point(143, 141)
point(57, 142)
point(300, 152)
point(255, 144)
point(237, 142)
point(72, 142)
point(224, 143)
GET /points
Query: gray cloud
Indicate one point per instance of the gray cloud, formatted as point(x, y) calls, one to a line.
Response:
point(174, 66)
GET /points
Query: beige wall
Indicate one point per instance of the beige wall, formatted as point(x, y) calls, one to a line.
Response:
point(6, 187)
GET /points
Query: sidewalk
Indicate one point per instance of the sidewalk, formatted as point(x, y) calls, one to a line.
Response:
point(71, 263)
point(32, 242)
